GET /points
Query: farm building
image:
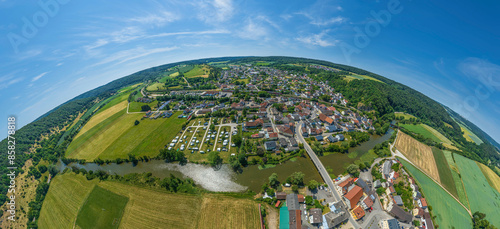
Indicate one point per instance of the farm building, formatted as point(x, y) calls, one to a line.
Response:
point(281, 195)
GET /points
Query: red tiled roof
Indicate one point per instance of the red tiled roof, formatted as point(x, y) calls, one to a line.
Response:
point(358, 212)
point(368, 201)
point(354, 195)
point(346, 182)
point(424, 203)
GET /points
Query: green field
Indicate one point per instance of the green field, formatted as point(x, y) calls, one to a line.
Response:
point(462, 196)
point(361, 77)
point(406, 116)
point(427, 132)
point(197, 71)
point(469, 135)
point(136, 106)
point(66, 194)
point(156, 87)
point(482, 197)
point(145, 208)
point(445, 175)
point(102, 209)
point(117, 136)
point(449, 213)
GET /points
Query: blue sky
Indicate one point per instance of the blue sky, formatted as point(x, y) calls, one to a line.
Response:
point(54, 50)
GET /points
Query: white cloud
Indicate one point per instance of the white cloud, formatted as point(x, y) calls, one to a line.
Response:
point(38, 77)
point(318, 39)
point(131, 54)
point(481, 71)
point(215, 10)
point(221, 31)
point(9, 79)
point(158, 20)
point(253, 31)
point(325, 22)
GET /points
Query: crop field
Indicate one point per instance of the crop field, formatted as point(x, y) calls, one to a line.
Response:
point(117, 136)
point(198, 71)
point(482, 197)
point(462, 196)
point(427, 132)
point(145, 208)
point(66, 194)
point(420, 154)
point(226, 212)
point(444, 171)
point(449, 213)
point(102, 209)
point(101, 116)
point(491, 176)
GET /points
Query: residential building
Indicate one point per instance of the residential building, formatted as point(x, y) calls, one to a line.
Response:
point(390, 224)
point(352, 197)
point(271, 145)
point(358, 213)
point(315, 216)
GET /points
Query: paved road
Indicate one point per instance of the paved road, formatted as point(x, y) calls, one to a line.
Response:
point(322, 171)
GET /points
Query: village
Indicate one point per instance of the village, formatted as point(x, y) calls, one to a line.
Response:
point(277, 115)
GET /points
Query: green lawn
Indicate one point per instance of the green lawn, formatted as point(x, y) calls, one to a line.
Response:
point(462, 196)
point(449, 213)
point(102, 209)
point(482, 197)
point(427, 132)
point(444, 172)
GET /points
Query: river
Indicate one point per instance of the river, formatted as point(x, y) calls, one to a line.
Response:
point(226, 180)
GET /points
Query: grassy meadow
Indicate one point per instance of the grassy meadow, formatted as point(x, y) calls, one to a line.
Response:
point(145, 208)
point(449, 213)
point(404, 115)
point(482, 197)
point(136, 106)
point(198, 71)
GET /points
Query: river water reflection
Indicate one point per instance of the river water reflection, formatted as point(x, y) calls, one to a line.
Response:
point(226, 180)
